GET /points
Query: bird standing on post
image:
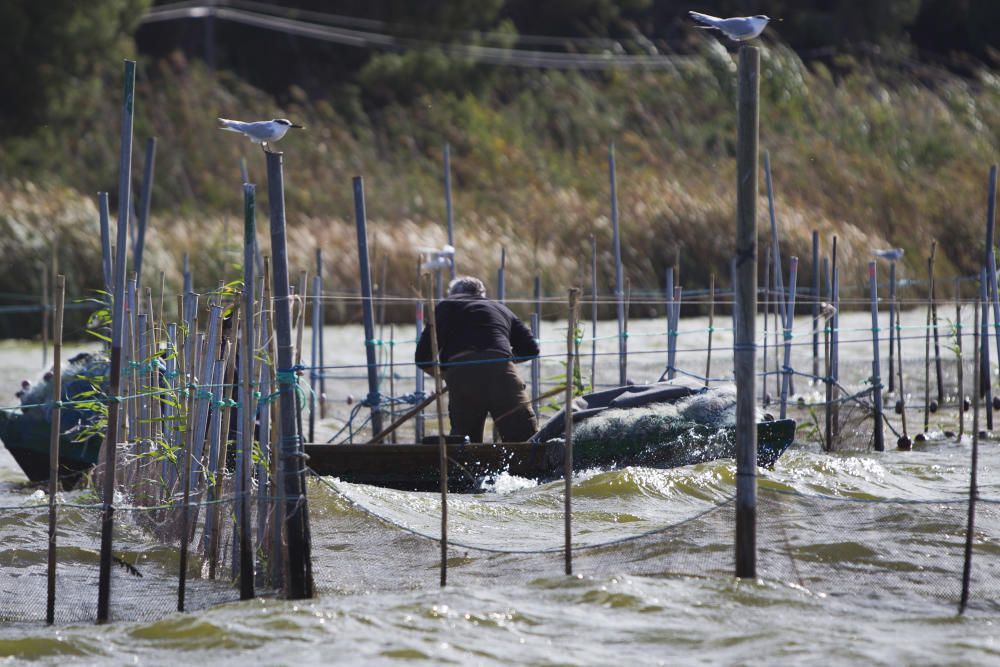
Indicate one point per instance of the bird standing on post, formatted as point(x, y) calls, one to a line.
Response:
point(260, 132)
point(738, 28)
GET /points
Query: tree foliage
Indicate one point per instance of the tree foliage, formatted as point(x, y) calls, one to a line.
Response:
point(51, 51)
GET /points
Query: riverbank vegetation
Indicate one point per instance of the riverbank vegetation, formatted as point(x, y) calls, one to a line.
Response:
point(876, 145)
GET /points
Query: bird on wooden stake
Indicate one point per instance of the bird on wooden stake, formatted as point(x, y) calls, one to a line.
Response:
point(260, 132)
point(737, 28)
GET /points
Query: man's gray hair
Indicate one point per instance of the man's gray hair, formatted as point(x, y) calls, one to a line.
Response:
point(466, 285)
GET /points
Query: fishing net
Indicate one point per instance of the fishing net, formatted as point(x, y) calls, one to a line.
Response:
point(827, 546)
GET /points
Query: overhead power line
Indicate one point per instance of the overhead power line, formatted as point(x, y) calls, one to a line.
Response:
point(374, 39)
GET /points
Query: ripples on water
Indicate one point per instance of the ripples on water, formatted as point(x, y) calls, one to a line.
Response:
point(844, 580)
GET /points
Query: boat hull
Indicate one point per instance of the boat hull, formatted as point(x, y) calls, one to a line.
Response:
point(27, 440)
point(415, 467)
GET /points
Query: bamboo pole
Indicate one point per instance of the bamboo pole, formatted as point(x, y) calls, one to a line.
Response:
point(973, 487)
point(418, 380)
point(746, 305)
point(106, 261)
point(876, 368)
point(765, 397)
point(835, 342)
point(669, 308)
point(111, 441)
point(960, 396)
point(893, 323)
point(593, 312)
point(939, 373)
point(317, 334)
point(619, 274)
point(298, 565)
point(54, 432)
point(815, 304)
point(46, 314)
point(361, 223)
point(449, 213)
point(145, 199)
point(299, 310)
point(322, 321)
point(392, 376)
point(786, 370)
point(992, 296)
point(711, 327)
point(568, 411)
point(186, 456)
point(927, 348)
point(247, 406)
point(903, 442)
point(442, 446)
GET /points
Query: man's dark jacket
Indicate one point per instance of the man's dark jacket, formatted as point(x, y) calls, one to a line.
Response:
point(478, 325)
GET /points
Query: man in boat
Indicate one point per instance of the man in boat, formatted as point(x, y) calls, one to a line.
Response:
point(479, 341)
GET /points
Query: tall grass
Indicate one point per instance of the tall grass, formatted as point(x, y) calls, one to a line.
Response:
point(890, 153)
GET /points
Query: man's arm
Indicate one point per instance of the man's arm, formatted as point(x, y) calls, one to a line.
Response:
point(522, 343)
point(422, 356)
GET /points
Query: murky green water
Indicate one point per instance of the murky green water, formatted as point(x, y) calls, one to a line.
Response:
point(844, 580)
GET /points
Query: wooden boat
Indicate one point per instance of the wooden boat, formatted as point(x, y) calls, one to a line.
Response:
point(415, 467)
point(27, 440)
point(25, 432)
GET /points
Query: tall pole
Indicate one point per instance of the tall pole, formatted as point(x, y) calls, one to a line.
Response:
point(246, 357)
point(367, 309)
point(568, 451)
point(447, 204)
point(54, 433)
point(117, 322)
point(616, 241)
point(102, 205)
point(815, 302)
point(145, 199)
point(746, 307)
point(593, 313)
point(298, 565)
point(876, 367)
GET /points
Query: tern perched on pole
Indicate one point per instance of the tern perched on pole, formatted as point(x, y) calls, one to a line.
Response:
point(260, 132)
point(738, 28)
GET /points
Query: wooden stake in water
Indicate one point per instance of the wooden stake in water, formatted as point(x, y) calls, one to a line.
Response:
point(934, 330)
point(904, 440)
point(927, 345)
point(992, 296)
point(145, 199)
point(669, 307)
point(117, 321)
point(876, 369)
point(54, 432)
point(960, 397)
point(619, 276)
point(244, 458)
point(711, 327)
point(893, 333)
point(46, 312)
point(788, 308)
point(105, 222)
point(765, 397)
point(367, 310)
point(973, 486)
point(442, 444)
point(815, 301)
point(568, 411)
point(448, 205)
point(298, 565)
point(593, 312)
point(746, 305)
